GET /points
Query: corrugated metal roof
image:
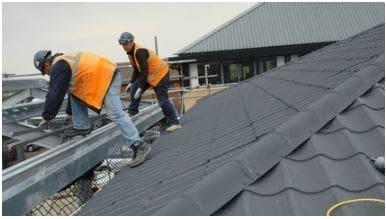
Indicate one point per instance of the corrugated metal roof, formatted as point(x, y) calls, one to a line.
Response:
point(278, 24)
point(218, 162)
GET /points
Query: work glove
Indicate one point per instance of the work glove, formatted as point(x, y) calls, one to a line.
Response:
point(44, 123)
point(67, 120)
point(127, 90)
point(138, 93)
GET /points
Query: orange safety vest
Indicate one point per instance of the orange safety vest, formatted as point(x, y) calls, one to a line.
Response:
point(91, 77)
point(157, 68)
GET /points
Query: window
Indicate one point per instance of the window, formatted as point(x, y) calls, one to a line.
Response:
point(287, 58)
point(185, 72)
point(214, 69)
point(246, 70)
point(265, 65)
point(201, 73)
point(209, 69)
point(260, 67)
point(234, 71)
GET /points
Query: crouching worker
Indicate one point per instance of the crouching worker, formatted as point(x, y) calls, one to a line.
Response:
point(149, 71)
point(93, 82)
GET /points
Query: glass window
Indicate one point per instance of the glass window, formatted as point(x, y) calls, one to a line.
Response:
point(260, 67)
point(268, 65)
point(265, 65)
point(234, 71)
point(185, 72)
point(214, 69)
point(201, 73)
point(246, 70)
point(287, 58)
point(211, 69)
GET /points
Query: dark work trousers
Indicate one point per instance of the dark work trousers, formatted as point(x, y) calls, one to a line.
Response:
point(161, 92)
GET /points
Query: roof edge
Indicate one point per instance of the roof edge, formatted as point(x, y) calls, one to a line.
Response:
point(273, 147)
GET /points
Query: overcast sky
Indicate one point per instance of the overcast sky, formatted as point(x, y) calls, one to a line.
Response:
point(95, 27)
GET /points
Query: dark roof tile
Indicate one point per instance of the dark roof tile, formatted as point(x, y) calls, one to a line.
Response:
point(301, 135)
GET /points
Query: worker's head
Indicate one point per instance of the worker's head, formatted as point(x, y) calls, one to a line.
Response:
point(126, 40)
point(40, 61)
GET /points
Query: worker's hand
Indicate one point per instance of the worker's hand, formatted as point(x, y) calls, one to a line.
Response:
point(44, 123)
point(67, 120)
point(127, 90)
point(138, 93)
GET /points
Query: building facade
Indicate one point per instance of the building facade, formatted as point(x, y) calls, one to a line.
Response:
point(269, 35)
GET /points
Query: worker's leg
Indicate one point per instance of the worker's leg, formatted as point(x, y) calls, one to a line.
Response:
point(134, 103)
point(113, 107)
point(163, 100)
point(80, 118)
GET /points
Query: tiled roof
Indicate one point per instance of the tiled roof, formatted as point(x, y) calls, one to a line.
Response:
point(331, 166)
point(272, 24)
point(295, 136)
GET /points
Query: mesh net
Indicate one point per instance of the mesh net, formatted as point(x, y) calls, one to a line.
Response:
point(71, 198)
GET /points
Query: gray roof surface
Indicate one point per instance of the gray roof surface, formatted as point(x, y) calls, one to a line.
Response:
point(331, 166)
point(233, 154)
point(279, 23)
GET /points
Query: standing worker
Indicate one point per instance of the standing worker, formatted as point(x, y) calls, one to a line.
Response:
point(149, 70)
point(93, 82)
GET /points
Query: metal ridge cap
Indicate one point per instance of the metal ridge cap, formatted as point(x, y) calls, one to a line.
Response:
point(222, 185)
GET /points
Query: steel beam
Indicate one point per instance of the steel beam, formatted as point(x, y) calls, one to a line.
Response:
point(24, 111)
point(23, 83)
point(21, 95)
point(30, 182)
point(16, 98)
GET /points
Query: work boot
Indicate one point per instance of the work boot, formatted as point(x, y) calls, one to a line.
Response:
point(132, 112)
point(141, 153)
point(173, 127)
point(74, 132)
point(67, 120)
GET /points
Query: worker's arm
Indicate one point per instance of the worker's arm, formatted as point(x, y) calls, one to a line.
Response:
point(68, 107)
point(142, 56)
point(134, 76)
point(60, 77)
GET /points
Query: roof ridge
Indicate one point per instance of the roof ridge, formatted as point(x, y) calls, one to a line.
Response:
point(219, 28)
point(326, 156)
point(351, 131)
point(274, 146)
point(319, 191)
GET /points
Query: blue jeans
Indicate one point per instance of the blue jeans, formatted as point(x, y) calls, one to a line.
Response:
point(113, 108)
point(161, 92)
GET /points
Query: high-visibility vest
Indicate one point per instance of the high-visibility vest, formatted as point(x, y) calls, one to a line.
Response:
point(157, 68)
point(91, 77)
